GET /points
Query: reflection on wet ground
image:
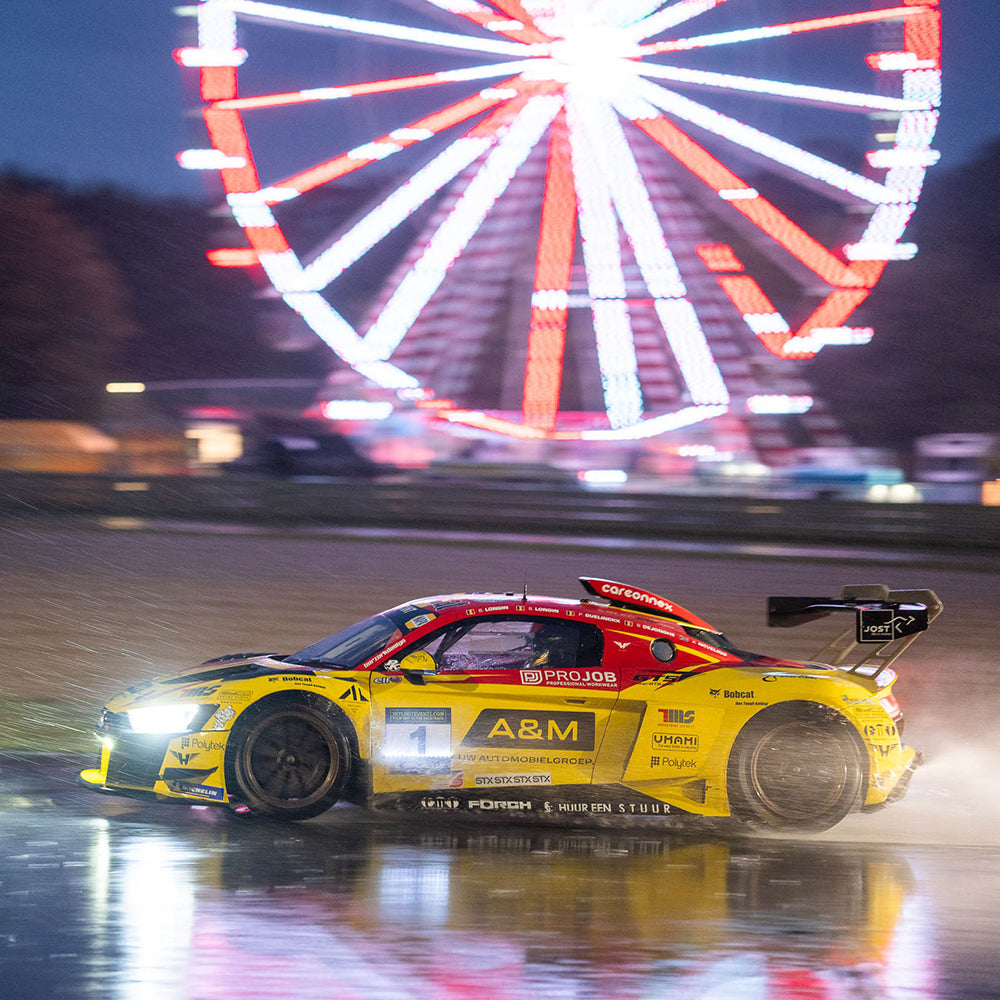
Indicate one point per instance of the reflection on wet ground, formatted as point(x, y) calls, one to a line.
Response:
point(104, 897)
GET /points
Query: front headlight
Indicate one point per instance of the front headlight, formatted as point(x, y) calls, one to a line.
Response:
point(163, 718)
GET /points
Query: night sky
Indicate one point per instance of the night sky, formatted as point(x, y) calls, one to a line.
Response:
point(91, 93)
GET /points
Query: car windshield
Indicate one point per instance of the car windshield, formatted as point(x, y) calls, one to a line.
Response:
point(350, 647)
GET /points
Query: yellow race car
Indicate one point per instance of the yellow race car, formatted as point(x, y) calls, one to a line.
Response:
point(618, 706)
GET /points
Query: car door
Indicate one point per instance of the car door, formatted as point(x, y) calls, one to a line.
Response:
point(499, 701)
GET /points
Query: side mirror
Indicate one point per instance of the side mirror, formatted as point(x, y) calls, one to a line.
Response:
point(415, 666)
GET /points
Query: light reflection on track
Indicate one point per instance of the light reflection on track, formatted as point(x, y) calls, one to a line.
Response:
point(119, 899)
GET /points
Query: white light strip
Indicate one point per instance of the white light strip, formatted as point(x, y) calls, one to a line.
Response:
point(426, 275)
point(444, 76)
point(657, 425)
point(656, 262)
point(374, 29)
point(397, 207)
point(196, 57)
point(770, 147)
point(671, 16)
point(208, 159)
point(334, 330)
point(605, 279)
point(779, 404)
point(823, 96)
point(819, 337)
point(871, 250)
point(217, 26)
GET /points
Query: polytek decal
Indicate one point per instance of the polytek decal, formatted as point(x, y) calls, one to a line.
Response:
point(532, 730)
point(571, 678)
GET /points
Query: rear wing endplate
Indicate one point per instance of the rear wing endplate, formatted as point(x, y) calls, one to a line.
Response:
point(888, 620)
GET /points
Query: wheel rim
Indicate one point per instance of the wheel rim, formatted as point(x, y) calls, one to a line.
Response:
point(799, 771)
point(289, 760)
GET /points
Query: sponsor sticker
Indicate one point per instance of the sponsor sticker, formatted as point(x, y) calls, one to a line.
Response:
point(223, 717)
point(678, 763)
point(199, 744)
point(497, 727)
point(676, 716)
point(675, 741)
point(418, 740)
point(571, 678)
point(527, 778)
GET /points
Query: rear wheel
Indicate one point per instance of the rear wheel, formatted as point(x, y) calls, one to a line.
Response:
point(290, 759)
point(796, 767)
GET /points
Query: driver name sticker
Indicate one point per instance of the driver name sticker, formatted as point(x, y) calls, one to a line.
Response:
point(418, 740)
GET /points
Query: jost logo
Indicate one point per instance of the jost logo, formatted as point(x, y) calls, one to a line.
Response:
point(532, 730)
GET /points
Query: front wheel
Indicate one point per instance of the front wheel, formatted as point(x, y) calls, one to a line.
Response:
point(289, 759)
point(796, 767)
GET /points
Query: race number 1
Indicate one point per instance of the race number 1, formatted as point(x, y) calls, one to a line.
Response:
point(418, 740)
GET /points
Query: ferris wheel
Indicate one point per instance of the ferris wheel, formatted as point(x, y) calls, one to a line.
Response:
point(614, 224)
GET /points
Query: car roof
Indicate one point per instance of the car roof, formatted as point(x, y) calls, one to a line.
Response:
point(622, 603)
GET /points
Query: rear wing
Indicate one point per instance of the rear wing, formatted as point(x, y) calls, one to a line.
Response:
point(886, 622)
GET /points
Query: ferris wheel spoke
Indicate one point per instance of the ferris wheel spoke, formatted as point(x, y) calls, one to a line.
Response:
point(758, 210)
point(451, 237)
point(799, 93)
point(677, 13)
point(382, 31)
point(655, 261)
point(550, 295)
point(393, 142)
point(371, 87)
point(781, 30)
point(605, 278)
point(518, 25)
point(807, 164)
point(409, 196)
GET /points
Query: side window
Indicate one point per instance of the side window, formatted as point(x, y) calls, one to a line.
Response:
point(515, 644)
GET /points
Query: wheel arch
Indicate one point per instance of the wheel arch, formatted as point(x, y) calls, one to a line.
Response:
point(274, 700)
point(796, 709)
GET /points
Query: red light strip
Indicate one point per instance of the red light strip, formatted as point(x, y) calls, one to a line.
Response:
point(758, 210)
point(233, 257)
point(225, 129)
point(355, 90)
point(719, 257)
point(347, 163)
point(526, 30)
point(779, 30)
point(553, 266)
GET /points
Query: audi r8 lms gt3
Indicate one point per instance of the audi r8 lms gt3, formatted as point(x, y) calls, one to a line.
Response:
point(622, 704)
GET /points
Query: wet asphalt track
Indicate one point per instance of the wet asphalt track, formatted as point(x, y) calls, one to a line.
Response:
point(103, 897)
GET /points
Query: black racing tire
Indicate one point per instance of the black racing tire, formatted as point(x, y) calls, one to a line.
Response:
point(289, 757)
point(796, 767)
